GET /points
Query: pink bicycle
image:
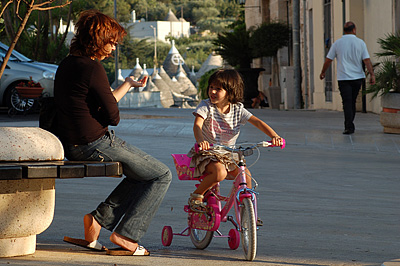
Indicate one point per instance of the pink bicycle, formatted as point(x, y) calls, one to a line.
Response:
point(203, 226)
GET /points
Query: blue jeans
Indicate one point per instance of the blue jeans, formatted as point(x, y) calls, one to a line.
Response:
point(130, 207)
point(349, 91)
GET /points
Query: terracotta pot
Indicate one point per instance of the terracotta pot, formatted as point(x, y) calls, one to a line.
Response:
point(29, 92)
point(390, 115)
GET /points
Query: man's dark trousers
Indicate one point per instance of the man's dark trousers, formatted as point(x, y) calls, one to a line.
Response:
point(349, 91)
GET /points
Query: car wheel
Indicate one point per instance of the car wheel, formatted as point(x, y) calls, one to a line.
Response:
point(13, 101)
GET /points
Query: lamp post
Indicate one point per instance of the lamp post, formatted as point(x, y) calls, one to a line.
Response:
point(116, 48)
point(155, 45)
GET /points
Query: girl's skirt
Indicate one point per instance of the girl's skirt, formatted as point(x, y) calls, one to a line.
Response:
point(201, 159)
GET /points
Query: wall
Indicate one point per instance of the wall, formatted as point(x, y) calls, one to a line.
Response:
point(379, 21)
point(163, 29)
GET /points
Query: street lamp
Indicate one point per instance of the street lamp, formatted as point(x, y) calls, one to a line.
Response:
point(155, 45)
point(116, 48)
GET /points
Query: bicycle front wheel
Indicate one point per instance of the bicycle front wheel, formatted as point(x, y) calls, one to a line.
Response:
point(249, 229)
point(201, 238)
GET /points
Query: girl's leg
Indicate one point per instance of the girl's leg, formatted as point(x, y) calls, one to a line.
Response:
point(235, 172)
point(216, 172)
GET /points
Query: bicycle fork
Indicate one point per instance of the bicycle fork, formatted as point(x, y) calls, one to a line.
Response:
point(241, 193)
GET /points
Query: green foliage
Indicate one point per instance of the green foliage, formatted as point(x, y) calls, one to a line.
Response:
point(268, 38)
point(387, 76)
point(239, 46)
point(234, 47)
point(203, 84)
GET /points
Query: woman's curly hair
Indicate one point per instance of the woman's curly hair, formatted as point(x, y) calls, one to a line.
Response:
point(231, 81)
point(94, 30)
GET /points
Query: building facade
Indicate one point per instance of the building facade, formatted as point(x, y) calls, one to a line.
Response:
point(320, 24)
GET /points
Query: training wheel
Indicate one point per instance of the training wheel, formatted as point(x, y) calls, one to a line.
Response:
point(234, 239)
point(166, 236)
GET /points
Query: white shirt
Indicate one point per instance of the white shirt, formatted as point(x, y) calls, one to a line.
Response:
point(349, 51)
point(221, 128)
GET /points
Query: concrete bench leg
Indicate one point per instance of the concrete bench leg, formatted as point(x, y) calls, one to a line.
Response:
point(27, 209)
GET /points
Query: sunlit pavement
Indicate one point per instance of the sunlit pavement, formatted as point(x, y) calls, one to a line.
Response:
point(326, 199)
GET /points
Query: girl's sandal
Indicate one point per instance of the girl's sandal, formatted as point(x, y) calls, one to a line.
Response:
point(195, 204)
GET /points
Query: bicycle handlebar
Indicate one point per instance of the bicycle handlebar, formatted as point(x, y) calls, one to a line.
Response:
point(260, 144)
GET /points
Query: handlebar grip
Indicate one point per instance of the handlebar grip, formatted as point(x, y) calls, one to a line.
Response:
point(197, 147)
point(271, 145)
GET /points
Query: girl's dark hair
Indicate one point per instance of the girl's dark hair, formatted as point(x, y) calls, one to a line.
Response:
point(94, 30)
point(231, 81)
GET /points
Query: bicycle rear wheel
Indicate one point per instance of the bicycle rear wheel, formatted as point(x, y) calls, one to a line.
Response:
point(201, 238)
point(249, 229)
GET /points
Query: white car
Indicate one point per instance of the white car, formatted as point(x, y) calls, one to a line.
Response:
point(19, 69)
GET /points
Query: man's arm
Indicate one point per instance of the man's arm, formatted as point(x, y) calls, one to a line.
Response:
point(368, 64)
point(325, 67)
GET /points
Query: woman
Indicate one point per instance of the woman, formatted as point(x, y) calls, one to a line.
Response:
point(87, 106)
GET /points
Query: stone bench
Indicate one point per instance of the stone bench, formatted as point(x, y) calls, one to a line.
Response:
point(30, 160)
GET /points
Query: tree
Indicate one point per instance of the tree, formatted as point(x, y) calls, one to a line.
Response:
point(20, 4)
point(234, 47)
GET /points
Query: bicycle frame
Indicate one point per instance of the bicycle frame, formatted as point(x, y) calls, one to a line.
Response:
point(238, 192)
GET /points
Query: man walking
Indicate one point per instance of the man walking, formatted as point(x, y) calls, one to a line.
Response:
point(350, 52)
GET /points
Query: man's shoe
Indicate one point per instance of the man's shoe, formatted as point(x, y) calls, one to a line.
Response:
point(348, 132)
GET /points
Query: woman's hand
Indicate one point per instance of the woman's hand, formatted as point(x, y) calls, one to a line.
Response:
point(134, 83)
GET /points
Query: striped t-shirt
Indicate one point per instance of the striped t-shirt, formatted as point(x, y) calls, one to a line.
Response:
point(222, 129)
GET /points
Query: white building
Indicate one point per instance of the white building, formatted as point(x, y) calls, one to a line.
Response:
point(171, 26)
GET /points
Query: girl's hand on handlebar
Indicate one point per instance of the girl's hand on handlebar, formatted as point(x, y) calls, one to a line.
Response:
point(204, 145)
point(277, 141)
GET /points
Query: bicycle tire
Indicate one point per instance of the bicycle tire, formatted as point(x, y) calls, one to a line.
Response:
point(201, 238)
point(248, 229)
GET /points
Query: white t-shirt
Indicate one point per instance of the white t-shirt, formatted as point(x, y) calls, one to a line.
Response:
point(349, 52)
point(222, 129)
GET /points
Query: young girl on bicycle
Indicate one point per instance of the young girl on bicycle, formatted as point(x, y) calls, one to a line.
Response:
point(218, 121)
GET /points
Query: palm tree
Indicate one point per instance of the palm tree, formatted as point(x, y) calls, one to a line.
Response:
point(387, 77)
point(234, 47)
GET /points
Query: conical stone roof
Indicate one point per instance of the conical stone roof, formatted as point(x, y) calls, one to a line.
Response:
point(137, 70)
point(144, 74)
point(119, 81)
point(150, 86)
point(188, 88)
point(171, 17)
point(213, 61)
point(174, 86)
point(173, 60)
point(167, 99)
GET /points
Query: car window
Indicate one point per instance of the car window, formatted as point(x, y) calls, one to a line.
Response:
point(15, 55)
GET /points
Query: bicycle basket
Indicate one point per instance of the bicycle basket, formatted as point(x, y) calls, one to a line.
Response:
point(182, 163)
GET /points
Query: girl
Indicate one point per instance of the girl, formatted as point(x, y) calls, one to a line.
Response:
point(218, 121)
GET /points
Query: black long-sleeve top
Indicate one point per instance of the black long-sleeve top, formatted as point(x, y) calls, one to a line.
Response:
point(85, 103)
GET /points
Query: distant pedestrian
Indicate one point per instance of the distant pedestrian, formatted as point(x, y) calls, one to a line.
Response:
point(350, 52)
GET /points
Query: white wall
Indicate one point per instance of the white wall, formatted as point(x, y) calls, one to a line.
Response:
point(163, 29)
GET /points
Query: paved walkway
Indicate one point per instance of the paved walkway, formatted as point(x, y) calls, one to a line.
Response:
point(327, 199)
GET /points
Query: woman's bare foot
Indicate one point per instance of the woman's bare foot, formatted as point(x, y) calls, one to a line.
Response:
point(123, 242)
point(92, 228)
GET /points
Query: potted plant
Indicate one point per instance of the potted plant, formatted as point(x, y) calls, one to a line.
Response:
point(387, 82)
point(29, 90)
point(239, 47)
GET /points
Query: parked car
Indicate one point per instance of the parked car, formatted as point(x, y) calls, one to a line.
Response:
point(19, 69)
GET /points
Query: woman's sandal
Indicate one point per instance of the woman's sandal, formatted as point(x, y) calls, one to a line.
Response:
point(195, 204)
